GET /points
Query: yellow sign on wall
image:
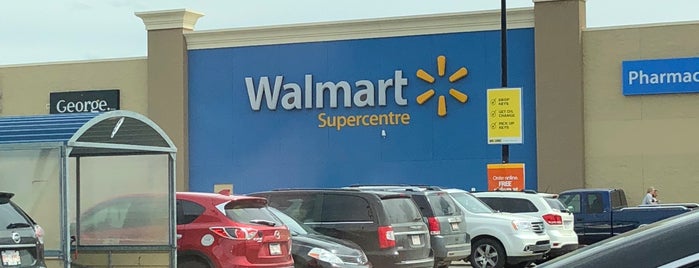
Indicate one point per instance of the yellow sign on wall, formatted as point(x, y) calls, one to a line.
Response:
point(504, 115)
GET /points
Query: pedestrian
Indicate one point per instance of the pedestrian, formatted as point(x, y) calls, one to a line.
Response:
point(655, 197)
point(649, 198)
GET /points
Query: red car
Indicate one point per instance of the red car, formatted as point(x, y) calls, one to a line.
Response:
point(217, 230)
point(213, 230)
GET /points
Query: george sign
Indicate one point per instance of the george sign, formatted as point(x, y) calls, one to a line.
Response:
point(660, 76)
point(506, 177)
point(92, 101)
point(504, 115)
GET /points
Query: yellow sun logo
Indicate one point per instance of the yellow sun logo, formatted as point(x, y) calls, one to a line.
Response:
point(427, 95)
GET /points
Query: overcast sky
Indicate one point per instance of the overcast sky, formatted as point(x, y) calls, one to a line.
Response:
point(72, 30)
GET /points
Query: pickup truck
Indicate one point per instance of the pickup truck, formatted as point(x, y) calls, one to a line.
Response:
point(602, 213)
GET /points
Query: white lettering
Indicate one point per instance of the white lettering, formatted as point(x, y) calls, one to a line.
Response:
point(633, 75)
point(295, 98)
point(63, 106)
point(292, 100)
point(333, 88)
point(263, 89)
point(642, 78)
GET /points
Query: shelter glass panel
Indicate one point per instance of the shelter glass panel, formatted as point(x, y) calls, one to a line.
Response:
point(123, 200)
point(33, 176)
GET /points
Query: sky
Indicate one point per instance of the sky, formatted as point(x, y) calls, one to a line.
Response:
point(38, 32)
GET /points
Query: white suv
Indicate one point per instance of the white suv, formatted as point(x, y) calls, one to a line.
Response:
point(558, 220)
point(499, 239)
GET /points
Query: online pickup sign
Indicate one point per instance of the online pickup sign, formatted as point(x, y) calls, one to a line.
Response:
point(660, 76)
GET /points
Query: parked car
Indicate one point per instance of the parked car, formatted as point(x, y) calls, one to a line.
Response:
point(603, 213)
point(21, 238)
point(445, 220)
point(387, 225)
point(213, 230)
point(669, 243)
point(558, 222)
point(313, 249)
point(500, 238)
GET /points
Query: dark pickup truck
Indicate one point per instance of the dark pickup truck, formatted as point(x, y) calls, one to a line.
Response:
point(602, 213)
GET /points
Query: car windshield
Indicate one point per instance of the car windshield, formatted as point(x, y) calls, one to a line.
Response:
point(401, 210)
point(251, 211)
point(471, 203)
point(294, 226)
point(11, 218)
point(442, 204)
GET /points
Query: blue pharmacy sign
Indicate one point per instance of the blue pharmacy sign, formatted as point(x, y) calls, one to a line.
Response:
point(660, 76)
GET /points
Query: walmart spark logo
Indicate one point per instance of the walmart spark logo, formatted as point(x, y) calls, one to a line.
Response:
point(441, 69)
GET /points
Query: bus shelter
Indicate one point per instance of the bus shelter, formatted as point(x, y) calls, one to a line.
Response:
point(101, 185)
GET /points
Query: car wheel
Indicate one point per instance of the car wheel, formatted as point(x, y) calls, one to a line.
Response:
point(488, 253)
point(191, 263)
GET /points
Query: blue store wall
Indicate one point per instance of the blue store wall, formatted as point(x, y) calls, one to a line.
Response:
point(266, 149)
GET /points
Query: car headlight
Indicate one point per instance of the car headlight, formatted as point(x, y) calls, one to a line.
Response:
point(324, 255)
point(521, 225)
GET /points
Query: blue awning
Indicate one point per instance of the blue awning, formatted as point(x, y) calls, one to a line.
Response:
point(115, 132)
point(42, 128)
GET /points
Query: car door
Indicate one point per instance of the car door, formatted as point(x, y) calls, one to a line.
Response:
point(573, 202)
point(347, 216)
point(597, 219)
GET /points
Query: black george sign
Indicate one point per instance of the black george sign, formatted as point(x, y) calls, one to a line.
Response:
point(92, 101)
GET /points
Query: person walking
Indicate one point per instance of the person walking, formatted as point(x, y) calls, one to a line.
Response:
point(655, 197)
point(649, 198)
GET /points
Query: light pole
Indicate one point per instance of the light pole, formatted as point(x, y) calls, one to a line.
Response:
point(503, 57)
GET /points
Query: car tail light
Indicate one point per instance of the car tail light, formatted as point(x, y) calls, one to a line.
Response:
point(39, 233)
point(433, 226)
point(386, 237)
point(235, 233)
point(553, 219)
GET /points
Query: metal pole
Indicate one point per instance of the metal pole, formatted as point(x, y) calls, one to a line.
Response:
point(503, 52)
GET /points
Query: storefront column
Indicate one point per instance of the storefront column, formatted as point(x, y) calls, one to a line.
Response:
point(559, 94)
point(167, 79)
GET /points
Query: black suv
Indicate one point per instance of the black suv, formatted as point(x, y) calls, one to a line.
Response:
point(448, 236)
point(387, 225)
point(21, 239)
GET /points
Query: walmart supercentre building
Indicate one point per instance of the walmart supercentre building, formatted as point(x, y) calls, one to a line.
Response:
point(400, 100)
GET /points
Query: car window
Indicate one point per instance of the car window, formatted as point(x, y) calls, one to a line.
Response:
point(251, 211)
point(423, 205)
point(109, 215)
point(618, 199)
point(594, 203)
point(442, 204)
point(300, 207)
point(401, 210)
point(512, 205)
point(188, 211)
point(555, 204)
point(492, 202)
point(345, 208)
point(9, 215)
point(145, 212)
point(471, 203)
point(571, 202)
point(294, 226)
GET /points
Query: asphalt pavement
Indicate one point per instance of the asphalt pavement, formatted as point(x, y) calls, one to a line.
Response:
point(466, 264)
point(459, 264)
